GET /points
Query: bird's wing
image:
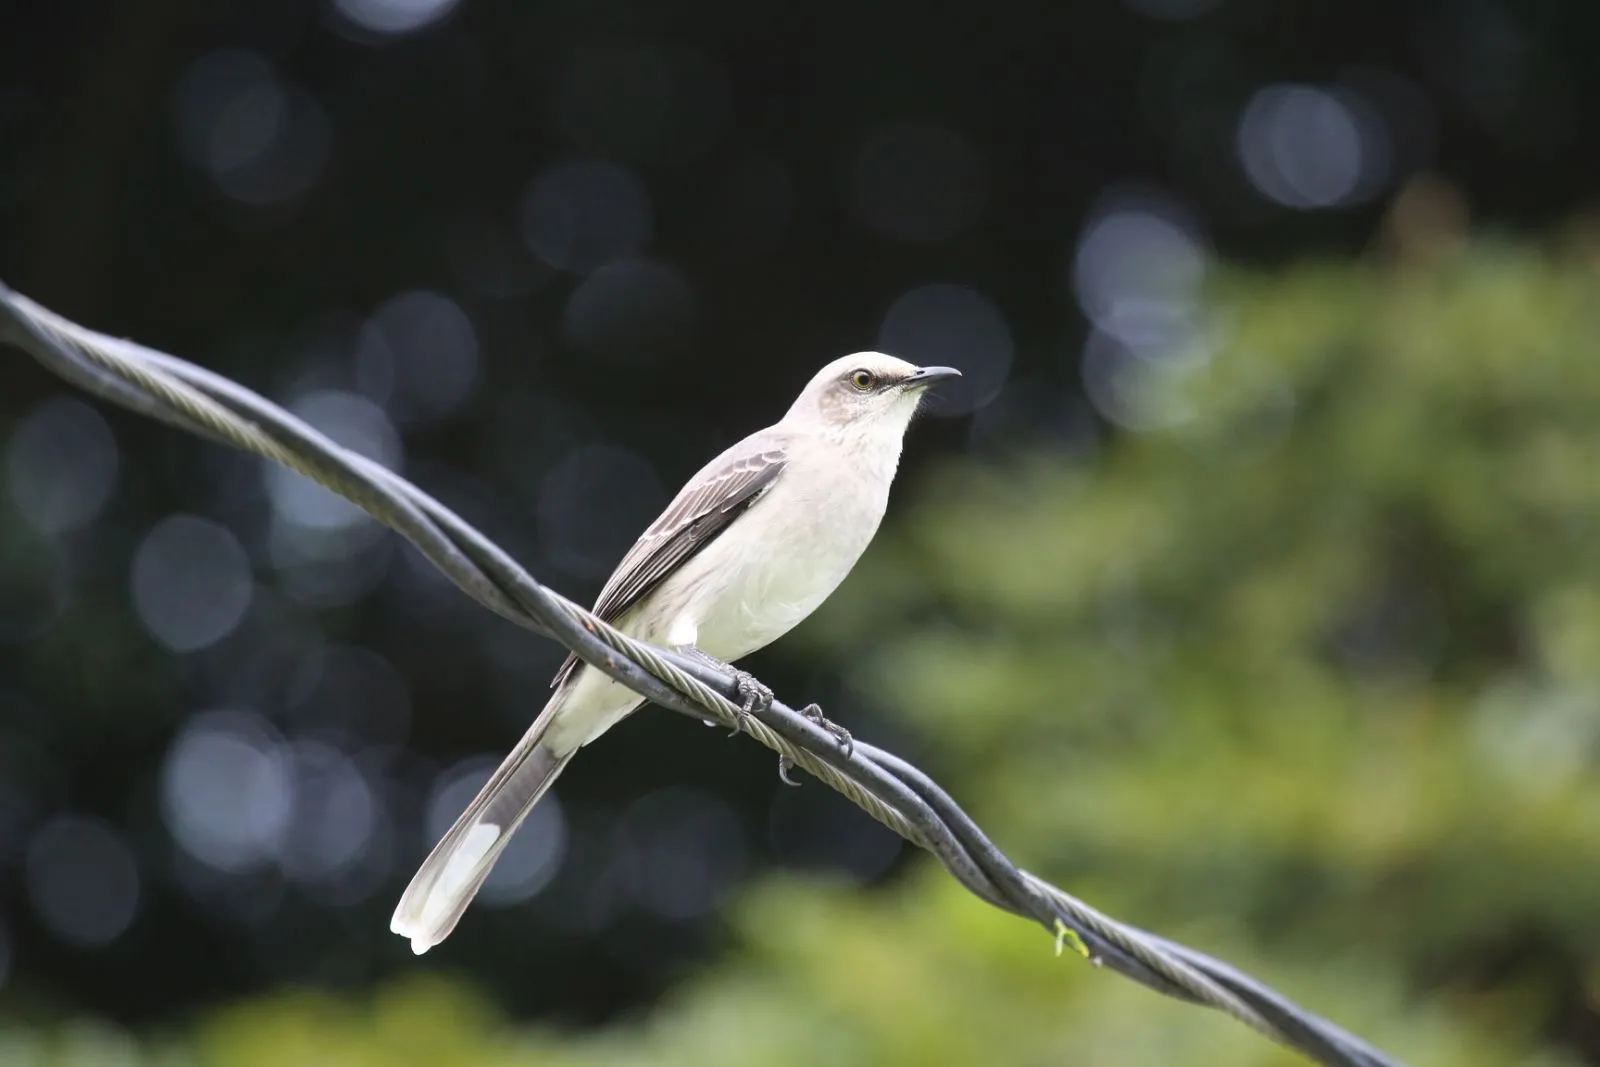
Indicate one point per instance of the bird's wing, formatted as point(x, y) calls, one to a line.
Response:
point(703, 509)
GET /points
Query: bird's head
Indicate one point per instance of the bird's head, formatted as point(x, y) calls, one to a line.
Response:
point(866, 394)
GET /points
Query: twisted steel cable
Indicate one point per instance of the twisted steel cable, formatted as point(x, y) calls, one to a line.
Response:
point(892, 791)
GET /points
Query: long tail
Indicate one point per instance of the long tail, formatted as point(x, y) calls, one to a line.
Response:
point(456, 868)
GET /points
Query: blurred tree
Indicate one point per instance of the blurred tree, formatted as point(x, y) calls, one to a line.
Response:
point(1308, 677)
point(1318, 658)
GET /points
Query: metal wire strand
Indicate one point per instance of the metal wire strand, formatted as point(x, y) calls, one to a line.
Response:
point(892, 791)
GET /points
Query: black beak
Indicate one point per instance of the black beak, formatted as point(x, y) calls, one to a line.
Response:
point(923, 377)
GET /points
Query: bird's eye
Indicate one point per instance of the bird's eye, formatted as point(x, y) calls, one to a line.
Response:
point(862, 380)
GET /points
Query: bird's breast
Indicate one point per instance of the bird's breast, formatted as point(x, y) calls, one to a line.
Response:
point(797, 551)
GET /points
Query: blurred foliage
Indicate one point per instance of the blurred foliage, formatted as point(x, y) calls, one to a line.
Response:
point(917, 976)
point(1307, 679)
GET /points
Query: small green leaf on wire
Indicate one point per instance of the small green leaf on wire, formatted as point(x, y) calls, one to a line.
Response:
point(1067, 935)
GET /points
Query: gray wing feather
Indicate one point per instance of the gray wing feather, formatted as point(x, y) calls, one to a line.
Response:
point(703, 509)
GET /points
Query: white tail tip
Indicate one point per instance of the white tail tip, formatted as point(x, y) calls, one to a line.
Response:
point(429, 920)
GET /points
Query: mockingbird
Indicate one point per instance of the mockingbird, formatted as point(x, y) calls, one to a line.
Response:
point(755, 541)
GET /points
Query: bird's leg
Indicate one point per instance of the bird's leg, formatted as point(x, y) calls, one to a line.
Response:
point(752, 693)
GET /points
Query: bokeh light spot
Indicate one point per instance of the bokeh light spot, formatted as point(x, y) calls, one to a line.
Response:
point(688, 852)
point(261, 140)
point(952, 326)
point(226, 790)
point(418, 355)
point(334, 818)
point(1305, 147)
point(61, 466)
point(631, 311)
point(1138, 263)
point(83, 880)
point(393, 17)
point(579, 216)
point(1138, 391)
point(192, 582)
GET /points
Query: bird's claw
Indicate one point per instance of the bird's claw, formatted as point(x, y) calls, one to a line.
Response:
point(753, 697)
point(813, 713)
point(785, 765)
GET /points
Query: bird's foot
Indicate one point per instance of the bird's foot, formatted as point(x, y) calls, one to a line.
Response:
point(753, 695)
point(813, 713)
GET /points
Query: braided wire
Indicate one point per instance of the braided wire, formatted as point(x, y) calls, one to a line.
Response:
point(890, 790)
point(735, 717)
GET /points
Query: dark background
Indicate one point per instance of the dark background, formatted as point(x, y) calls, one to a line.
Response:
point(733, 193)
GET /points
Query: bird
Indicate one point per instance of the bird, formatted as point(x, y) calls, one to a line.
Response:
point(751, 545)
